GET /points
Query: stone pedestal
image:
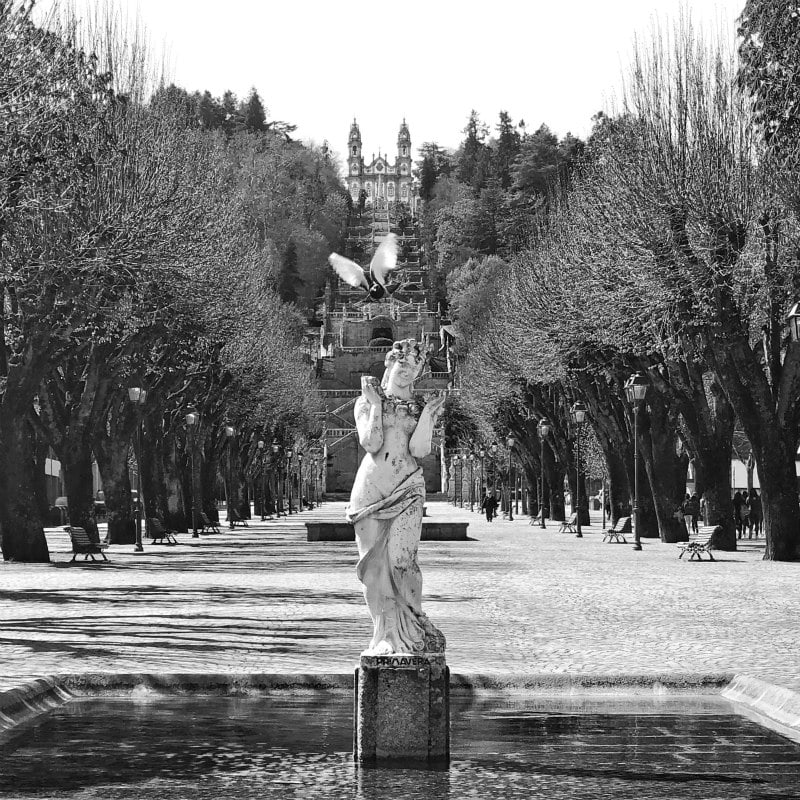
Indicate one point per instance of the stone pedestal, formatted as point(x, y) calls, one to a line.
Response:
point(402, 708)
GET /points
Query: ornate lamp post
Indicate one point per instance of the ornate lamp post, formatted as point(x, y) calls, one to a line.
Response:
point(137, 396)
point(493, 451)
point(471, 481)
point(289, 454)
point(544, 429)
point(482, 454)
point(276, 450)
point(299, 481)
point(230, 432)
point(635, 391)
point(578, 413)
point(510, 442)
point(262, 450)
point(314, 466)
point(192, 418)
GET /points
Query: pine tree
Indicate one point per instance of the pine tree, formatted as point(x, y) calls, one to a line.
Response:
point(508, 147)
point(473, 160)
point(290, 281)
point(427, 178)
point(253, 113)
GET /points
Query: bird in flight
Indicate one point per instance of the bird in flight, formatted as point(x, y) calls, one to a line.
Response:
point(384, 260)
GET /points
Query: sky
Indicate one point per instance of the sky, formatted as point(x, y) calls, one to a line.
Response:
point(320, 64)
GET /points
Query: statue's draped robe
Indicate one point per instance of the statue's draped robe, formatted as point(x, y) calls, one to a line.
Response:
point(399, 514)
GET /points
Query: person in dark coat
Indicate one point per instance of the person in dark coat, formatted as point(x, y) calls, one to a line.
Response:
point(756, 514)
point(489, 505)
point(738, 502)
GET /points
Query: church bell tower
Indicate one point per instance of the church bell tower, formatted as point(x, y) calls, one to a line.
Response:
point(354, 150)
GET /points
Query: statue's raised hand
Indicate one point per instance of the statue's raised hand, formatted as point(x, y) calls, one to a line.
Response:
point(370, 389)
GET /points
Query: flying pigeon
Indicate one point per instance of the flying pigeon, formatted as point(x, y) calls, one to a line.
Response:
point(384, 260)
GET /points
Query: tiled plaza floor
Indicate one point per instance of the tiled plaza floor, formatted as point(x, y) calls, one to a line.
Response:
point(514, 599)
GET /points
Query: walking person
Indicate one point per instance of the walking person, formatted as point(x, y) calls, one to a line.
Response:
point(489, 505)
point(694, 510)
point(738, 502)
point(686, 513)
point(756, 514)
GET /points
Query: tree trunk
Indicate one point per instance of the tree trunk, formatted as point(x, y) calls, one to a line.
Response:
point(619, 489)
point(554, 488)
point(112, 461)
point(21, 531)
point(666, 469)
point(776, 473)
point(176, 513)
point(76, 461)
point(42, 450)
point(717, 495)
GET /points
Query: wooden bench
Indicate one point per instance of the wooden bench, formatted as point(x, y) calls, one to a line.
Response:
point(235, 518)
point(568, 525)
point(84, 544)
point(208, 524)
point(616, 533)
point(698, 544)
point(158, 533)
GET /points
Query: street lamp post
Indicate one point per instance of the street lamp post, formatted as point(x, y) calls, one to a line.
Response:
point(276, 450)
point(578, 412)
point(510, 441)
point(471, 481)
point(635, 391)
point(493, 451)
point(314, 500)
point(299, 482)
point(289, 453)
point(230, 432)
point(544, 429)
point(192, 418)
point(262, 445)
point(482, 454)
point(138, 396)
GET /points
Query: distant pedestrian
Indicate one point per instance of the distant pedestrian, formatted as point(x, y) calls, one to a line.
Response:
point(489, 505)
point(756, 514)
point(738, 502)
point(694, 510)
point(686, 513)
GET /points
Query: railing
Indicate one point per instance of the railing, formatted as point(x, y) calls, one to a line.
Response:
point(339, 392)
point(338, 433)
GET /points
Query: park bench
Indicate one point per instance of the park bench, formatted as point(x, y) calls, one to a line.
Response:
point(698, 544)
point(616, 533)
point(235, 518)
point(568, 525)
point(158, 533)
point(208, 524)
point(84, 544)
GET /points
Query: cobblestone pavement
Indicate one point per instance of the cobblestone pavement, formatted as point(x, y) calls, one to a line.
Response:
point(512, 599)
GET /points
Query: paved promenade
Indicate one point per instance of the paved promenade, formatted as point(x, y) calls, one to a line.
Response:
point(513, 599)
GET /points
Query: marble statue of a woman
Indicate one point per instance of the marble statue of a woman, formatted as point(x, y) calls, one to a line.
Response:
point(386, 502)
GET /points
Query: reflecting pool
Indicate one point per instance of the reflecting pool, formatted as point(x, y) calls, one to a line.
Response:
point(299, 745)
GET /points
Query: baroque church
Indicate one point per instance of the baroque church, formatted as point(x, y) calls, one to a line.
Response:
point(357, 330)
point(383, 181)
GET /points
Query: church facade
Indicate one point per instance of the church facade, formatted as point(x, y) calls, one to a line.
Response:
point(385, 182)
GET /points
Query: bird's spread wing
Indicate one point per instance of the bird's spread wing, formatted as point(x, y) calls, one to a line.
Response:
point(348, 271)
point(385, 259)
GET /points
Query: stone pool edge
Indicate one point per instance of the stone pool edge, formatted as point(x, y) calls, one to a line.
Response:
point(771, 706)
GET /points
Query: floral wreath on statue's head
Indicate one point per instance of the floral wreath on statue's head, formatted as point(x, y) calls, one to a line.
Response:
point(401, 351)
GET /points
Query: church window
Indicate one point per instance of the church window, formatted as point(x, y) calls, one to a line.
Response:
point(368, 187)
point(391, 190)
point(404, 191)
point(405, 151)
point(355, 150)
